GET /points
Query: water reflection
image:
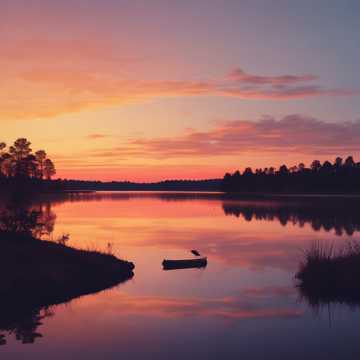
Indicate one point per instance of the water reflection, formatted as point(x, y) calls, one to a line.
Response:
point(318, 300)
point(244, 305)
point(23, 216)
point(333, 213)
point(248, 303)
point(26, 301)
point(341, 217)
point(187, 220)
point(22, 321)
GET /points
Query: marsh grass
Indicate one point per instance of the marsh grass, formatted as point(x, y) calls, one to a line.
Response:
point(330, 273)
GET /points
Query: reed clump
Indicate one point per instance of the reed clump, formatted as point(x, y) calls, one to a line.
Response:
point(330, 273)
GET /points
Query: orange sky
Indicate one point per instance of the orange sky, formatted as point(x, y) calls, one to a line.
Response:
point(115, 91)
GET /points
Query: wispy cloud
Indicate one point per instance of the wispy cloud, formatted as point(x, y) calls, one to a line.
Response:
point(229, 144)
point(43, 78)
point(238, 142)
point(96, 136)
point(299, 133)
point(241, 76)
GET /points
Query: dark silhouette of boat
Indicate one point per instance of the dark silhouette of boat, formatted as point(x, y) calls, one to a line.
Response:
point(184, 264)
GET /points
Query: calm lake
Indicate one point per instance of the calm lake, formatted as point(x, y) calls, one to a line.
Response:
point(244, 304)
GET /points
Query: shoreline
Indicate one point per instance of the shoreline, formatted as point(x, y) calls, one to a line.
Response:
point(223, 195)
point(48, 273)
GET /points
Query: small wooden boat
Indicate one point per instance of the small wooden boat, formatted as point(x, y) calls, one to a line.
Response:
point(184, 264)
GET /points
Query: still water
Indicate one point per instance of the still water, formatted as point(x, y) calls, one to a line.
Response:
point(244, 304)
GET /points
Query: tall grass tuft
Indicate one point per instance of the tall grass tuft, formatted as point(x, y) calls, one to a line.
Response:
point(330, 273)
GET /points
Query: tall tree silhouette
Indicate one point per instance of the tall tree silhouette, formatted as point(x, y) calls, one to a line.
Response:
point(316, 165)
point(40, 158)
point(20, 162)
point(49, 169)
point(21, 149)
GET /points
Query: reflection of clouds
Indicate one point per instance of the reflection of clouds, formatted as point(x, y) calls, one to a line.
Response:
point(235, 247)
point(269, 291)
point(267, 302)
point(257, 253)
point(230, 247)
point(183, 221)
point(253, 252)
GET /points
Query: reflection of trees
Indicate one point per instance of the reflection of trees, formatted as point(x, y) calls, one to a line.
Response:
point(59, 198)
point(46, 219)
point(20, 220)
point(22, 322)
point(22, 317)
point(26, 220)
point(339, 216)
point(39, 274)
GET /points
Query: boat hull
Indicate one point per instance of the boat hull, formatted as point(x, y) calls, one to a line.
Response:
point(184, 264)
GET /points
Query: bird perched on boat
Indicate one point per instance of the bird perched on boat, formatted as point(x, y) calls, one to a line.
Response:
point(195, 252)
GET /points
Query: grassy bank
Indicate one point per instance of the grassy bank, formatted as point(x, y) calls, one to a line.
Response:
point(331, 274)
point(45, 273)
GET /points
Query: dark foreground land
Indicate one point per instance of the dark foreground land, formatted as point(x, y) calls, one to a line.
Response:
point(331, 275)
point(45, 273)
point(37, 274)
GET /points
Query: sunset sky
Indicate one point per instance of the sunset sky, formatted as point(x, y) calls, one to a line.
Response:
point(148, 90)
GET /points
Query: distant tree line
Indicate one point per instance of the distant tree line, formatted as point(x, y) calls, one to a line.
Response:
point(19, 162)
point(167, 185)
point(341, 176)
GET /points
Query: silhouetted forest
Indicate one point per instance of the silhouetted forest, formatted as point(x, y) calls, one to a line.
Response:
point(341, 176)
point(167, 185)
point(23, 169)
point(19, 161)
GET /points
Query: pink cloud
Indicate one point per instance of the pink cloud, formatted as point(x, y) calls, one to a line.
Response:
point(241, 76)
point(266, 142)
point(297, 133)
point(43, 78)
point(283, 92)
point(74, 66)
